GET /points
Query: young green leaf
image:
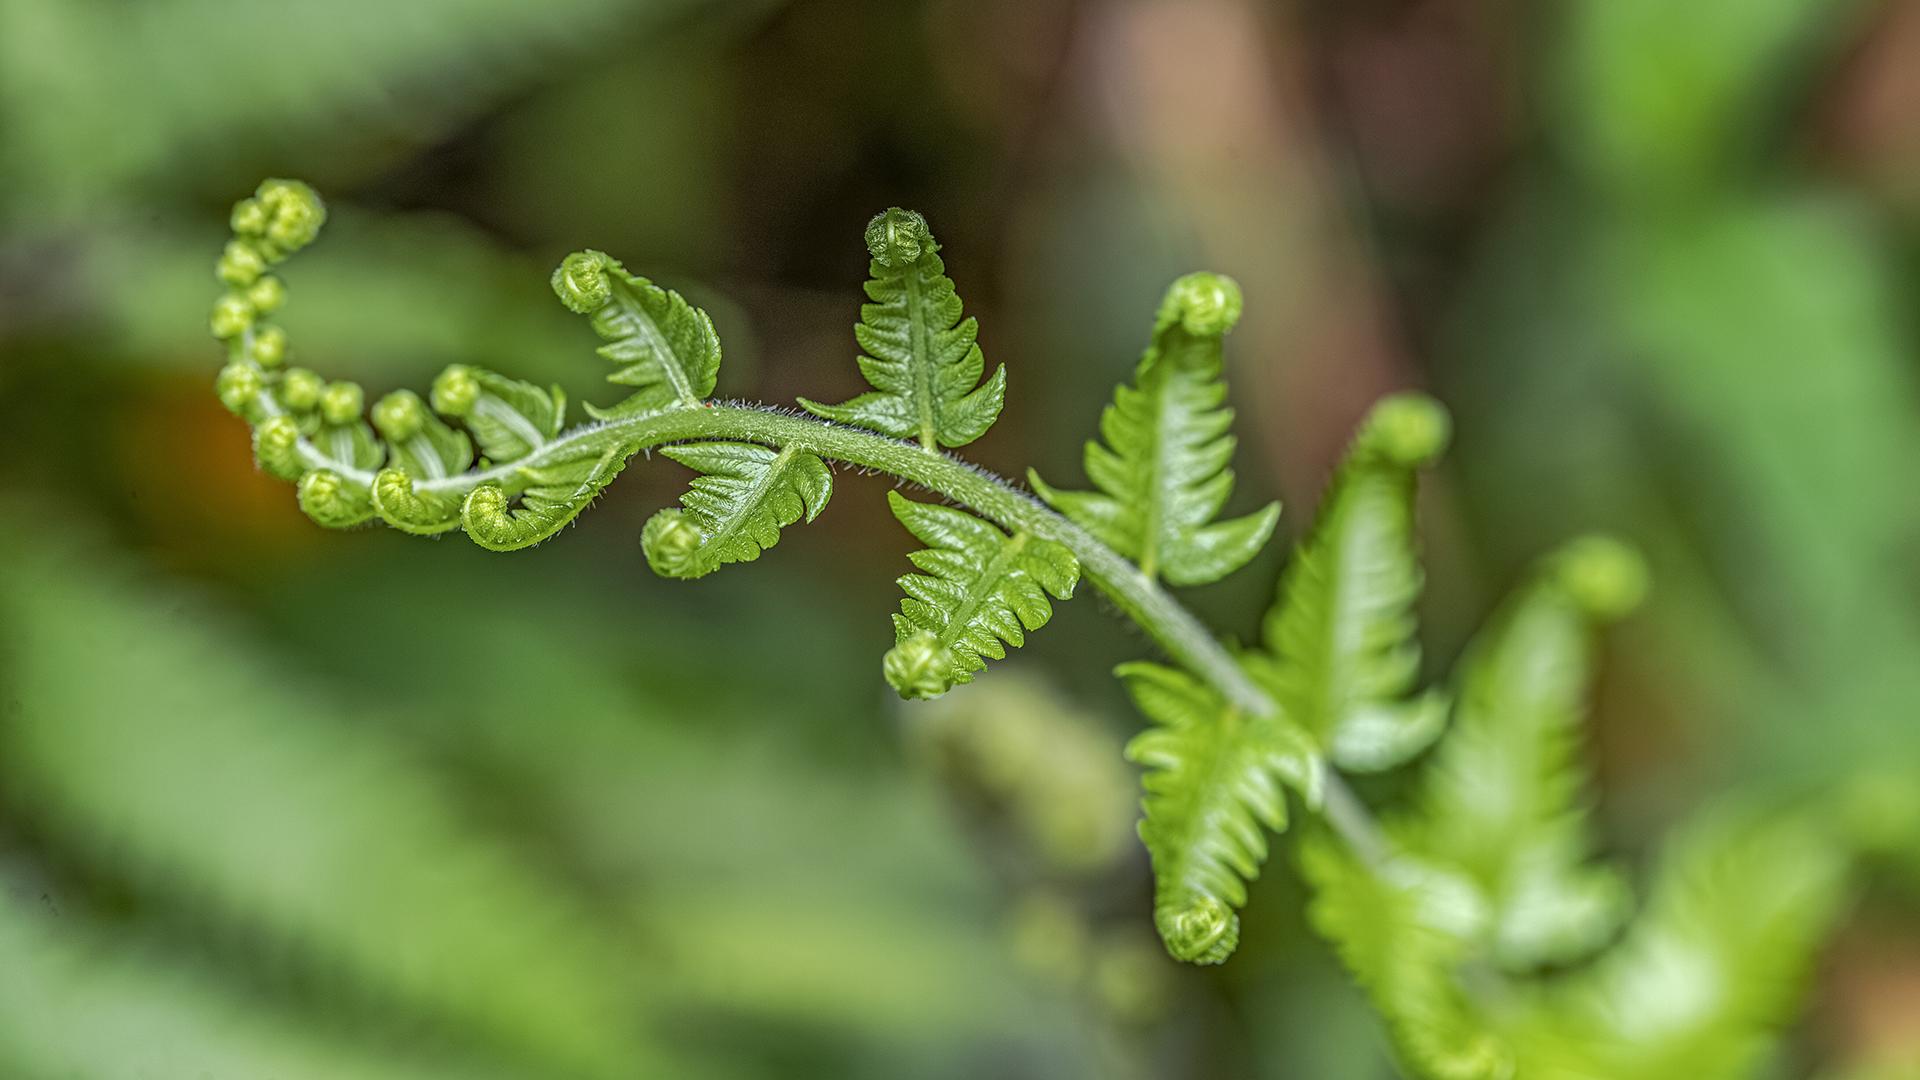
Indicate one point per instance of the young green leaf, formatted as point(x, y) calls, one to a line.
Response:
point(666, 346)
point(920, 356)
point(1712, 968)
point(746, 494)
point(1404, 929)
point(979, 587)
point(1503, 798)
point(1163, 475)
point(1213, 789)
point(1342, 638)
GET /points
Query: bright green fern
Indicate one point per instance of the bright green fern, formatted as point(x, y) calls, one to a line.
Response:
point(1475, 914)
point(1162, 475)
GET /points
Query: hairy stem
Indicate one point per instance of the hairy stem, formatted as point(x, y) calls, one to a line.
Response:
point(1179, 634)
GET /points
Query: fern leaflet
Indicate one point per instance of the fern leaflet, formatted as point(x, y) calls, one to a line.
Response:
point(1503, 797)
point(746, 494)
point(666, 346)
point(1163, 475)
point(1213, 787)
point(978, 587)
point(921, 357)
point(1344, 653)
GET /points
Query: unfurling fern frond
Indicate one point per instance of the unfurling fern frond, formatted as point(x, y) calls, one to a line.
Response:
point(411, 468)
point(666, 346)
point(1342, 638)
point(1162, 474)
point(1213, 789)
point(978, 587)
point(1712, 968)
point(920, 356)
point(1504, 796)
point(1403, 929)
point(746, 494)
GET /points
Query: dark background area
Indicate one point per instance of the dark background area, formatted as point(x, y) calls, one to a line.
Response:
point(279, 801)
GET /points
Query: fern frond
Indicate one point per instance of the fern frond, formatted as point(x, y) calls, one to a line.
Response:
point(1342, 641)
point(1711, 970)
point(978, 587)
point(1503, 797)
point(1403, 928)
point(1162, 474)
point(746, 494)
point(666, 346)
point(1213, 789)
point(920, 356)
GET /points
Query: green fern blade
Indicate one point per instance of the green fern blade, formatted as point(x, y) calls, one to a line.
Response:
point(1504, 797)
point(1710, 973)
point(1213, 791)
point(1161, 474)
point(1404, 930)
point(666, 347)
point(508, 419)
point(535, 502)
point(922, 359)
point(735, 509)
point(979, 588)
point(1342, 636)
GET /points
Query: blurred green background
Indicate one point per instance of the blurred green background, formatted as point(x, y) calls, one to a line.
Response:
point(276, 802)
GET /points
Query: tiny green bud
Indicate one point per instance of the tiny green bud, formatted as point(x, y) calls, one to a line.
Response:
point(276, 447)
point(399, 416)
point(919, 667)
point(269, 346)
point(897, 237)
point(296, 214)
point(332, 502)
point(300, 390)
point(671, 542)
point(1205, 931)
point(240, 264)
point(580, 281)
point(249, 217)
point(231, 316)
point(342, 402)
point(239, 388)
point(1409, 429)
point(455, 391)
point(1204, 304)
point(1604, 576)
point(266, 295)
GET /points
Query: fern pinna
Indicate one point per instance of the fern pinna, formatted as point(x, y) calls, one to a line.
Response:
point(1476, 912)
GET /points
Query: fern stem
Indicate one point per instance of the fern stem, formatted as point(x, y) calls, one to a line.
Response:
point(1179, 634)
